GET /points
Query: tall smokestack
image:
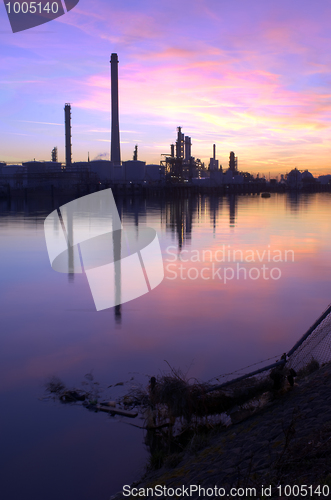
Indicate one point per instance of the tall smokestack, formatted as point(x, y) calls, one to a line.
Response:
point(115, 152)
point(67, 118)
point(214, 151)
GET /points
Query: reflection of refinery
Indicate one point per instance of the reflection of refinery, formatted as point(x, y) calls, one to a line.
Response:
point(178, 167)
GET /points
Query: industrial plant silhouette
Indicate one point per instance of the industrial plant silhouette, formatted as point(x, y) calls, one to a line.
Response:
point(177, 170)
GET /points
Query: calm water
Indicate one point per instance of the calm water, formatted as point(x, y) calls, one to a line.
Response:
point(194, 320)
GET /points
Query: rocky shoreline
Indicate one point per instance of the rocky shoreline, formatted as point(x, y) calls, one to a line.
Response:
point(288, 442)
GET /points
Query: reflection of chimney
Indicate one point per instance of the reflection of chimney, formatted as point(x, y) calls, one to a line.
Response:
point(117, 252)
point(67, 117)
point(115, 153)
point(71, 256)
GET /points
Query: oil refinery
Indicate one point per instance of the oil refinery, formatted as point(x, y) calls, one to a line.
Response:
point(178, 168)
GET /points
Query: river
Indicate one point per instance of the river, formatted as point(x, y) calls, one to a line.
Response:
point(244, 278)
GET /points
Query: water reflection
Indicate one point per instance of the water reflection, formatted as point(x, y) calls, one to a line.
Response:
point(294, 199)
point(232, 209)
point(70, 237)
point(180, 213)
point(117, 238)
point(215, 207)
point(49, 326)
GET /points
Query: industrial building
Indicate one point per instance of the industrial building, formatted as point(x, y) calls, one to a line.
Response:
point(13, 176)
point(213, 163)
point(180, 165)
point(233, 163)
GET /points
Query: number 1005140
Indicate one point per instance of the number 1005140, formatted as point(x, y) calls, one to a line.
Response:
point(32, 7)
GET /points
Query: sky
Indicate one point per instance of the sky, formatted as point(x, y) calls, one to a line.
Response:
point(253, 77)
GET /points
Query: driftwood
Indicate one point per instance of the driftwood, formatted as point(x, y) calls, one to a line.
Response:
point(116, 411)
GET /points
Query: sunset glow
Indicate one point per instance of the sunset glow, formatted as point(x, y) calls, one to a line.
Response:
point(253, 77)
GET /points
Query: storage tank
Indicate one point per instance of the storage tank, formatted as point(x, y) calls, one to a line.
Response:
point(154, 173)
point(42, 167)
point(116, 173)
point(14, 175)
point(134, 170)
point(102, 168)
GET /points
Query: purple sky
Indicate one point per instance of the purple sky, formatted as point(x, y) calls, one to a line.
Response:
point(251, 76)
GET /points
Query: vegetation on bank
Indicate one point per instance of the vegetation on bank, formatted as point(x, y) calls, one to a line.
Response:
point(181, 415)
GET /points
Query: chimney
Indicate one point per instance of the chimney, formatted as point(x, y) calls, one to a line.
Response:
point(214, 151)
point(115, 153)
point(180, 143)
point(187, 148)
point(67, 118)
point(54, 154)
